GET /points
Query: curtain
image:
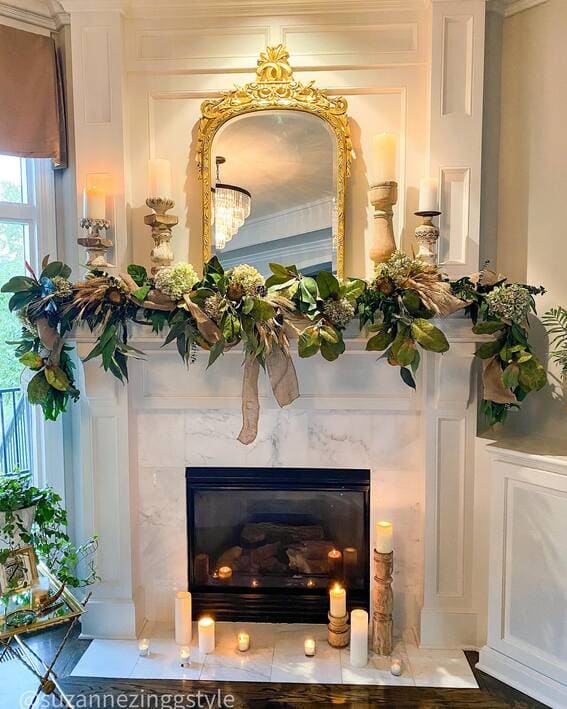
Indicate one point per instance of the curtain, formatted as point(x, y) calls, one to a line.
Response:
point(32, 120)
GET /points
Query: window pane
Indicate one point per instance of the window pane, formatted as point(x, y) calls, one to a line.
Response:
point(12, 179)
point(13, 237)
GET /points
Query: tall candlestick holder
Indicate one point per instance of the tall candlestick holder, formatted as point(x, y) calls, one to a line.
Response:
point(161, 225)
point(383, 197)
point(427, 236)
point(338, 631)
point(382, 604)
point(97, 246)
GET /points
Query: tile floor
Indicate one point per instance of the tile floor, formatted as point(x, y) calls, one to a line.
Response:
point(275, 655)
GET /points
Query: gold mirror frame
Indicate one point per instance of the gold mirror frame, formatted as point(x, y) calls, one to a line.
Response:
point(275, 88)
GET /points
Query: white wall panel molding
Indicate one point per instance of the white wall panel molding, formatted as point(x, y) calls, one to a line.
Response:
point(457, 71)
point(528, 570)
point(512, 7)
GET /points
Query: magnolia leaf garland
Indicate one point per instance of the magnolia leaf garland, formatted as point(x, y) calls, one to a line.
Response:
point(227, 308)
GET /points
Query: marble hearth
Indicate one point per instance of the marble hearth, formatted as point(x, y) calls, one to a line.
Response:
point(134, 443)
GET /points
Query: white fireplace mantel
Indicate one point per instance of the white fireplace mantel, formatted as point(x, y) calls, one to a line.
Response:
point(355, 412)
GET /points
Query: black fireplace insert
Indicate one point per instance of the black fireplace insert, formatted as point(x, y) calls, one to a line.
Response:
point(266, 544)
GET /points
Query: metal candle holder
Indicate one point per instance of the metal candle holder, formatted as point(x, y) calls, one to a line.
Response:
point(382, 604)
point(96, 245)
point(161, 225)
point(427, 235)
point(383, 197)
point(338, 631)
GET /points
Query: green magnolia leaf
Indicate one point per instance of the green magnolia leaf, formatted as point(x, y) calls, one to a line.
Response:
point(21, 299)
point(488, 327)
point(511, 376)
point(407, 377)
point(309, 342)
point(332, 350)
point(16, 284)
point(56, 268)
point(379, 341)
point(32, 360)
point(230, 327)
point(138, 273)
point(533, 376)
point(328, 285)
point(308, 288)
point(489, 349)
point(57, 378)
point(353, 288)
point(216, 350)
point(141, 293)
point(429, 337)
point(262, 310)
point(329, 334)
point(406, 352)
point(38, 389)
point(247, 304)
point(412, 301)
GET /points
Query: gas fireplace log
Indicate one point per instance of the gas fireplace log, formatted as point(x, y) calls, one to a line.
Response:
point(310, 557)
point(254, 534)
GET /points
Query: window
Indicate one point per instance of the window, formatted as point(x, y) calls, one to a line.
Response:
point(27, 230)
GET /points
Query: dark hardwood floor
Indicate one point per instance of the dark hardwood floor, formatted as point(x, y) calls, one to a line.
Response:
point(170, 694)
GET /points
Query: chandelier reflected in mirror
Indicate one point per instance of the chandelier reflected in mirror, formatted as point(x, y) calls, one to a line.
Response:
point(231, 207)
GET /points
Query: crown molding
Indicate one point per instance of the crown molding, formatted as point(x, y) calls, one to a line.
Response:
point(238, 8)
point(507, 8)
point(47, 15)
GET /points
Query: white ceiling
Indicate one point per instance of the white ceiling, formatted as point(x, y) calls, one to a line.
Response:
point(285, 159)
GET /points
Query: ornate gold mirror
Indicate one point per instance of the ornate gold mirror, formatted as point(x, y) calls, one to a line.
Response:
point(273, 157)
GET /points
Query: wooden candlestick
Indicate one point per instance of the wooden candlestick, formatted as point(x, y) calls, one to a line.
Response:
point(382, 604)
point(338, 634)
point(161, 224)
point(383, 197)
point(427, 235)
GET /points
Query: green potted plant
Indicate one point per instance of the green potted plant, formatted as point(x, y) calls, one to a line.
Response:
point(36, 517)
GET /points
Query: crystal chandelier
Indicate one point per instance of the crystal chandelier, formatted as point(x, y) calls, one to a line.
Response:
point(231, 206)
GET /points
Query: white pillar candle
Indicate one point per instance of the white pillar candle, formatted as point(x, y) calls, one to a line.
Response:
point(144, 647)
point(384, 157)
point(384, 537)
point(335, 558)
point(359, 638)
point(396, 667)
point(428, 201)
point(350, 562)
point(94, 203)
point(309, 647)
point(183, 632)
point(337, 597)
point(159, 171)
point(243, 641)
point(206, 635)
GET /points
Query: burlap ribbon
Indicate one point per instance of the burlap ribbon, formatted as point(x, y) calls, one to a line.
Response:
point(494, 389)
point(205, 325)
point(51, 340)
point(283, 380)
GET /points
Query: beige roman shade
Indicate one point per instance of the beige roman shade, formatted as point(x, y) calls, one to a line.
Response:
point(31, 116)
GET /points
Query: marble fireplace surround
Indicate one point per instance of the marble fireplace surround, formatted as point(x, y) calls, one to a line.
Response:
point(131, 446)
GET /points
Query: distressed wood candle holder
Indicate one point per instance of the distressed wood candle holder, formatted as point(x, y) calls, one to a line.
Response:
point(382, 604)
point(161, 225)
point(383, 197)
point(338, 634)
point(97, 246)
point(427, 236)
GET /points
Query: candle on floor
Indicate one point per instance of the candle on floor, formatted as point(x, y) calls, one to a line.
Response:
point(206, 635)
point(309, 647)
point(183, 630)
point(359, 638)
point(396, 667)
point(350, 563)
point(337, 597)
point(384, 157)
point(159, 172)
point(201, 569)
point(94, 203)
point(255, 583)
point(384, 537)
point(243, 641)
point(185, 657)
point(144, 647)
point(428, 201)
point(310, 583)
point(335, 558)
point(225, 573)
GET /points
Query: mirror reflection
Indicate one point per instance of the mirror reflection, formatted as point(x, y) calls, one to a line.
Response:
point(274, 192)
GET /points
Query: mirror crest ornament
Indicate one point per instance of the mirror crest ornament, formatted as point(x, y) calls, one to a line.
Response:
point(275, 89)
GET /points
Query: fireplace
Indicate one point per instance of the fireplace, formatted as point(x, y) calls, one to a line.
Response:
point(265, 544)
